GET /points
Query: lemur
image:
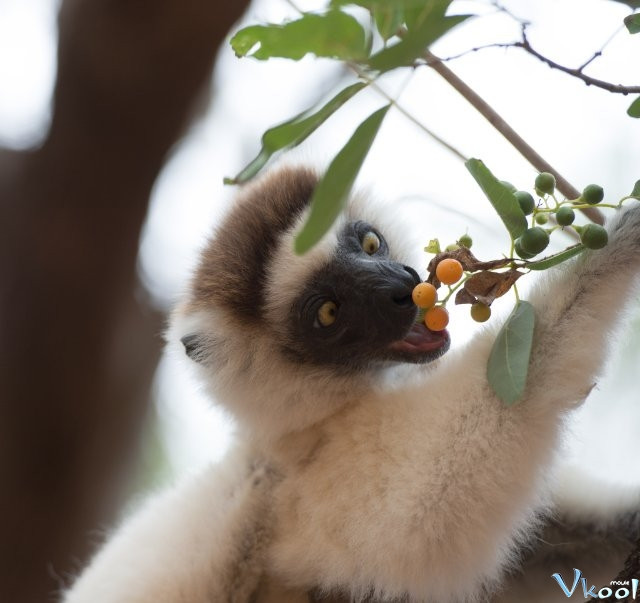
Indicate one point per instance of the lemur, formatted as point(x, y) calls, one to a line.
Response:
point(370, 463)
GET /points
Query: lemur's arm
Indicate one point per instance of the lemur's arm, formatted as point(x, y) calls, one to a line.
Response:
point(488, 489)
point(200, 542)
point(580, 309)
point(450, 478)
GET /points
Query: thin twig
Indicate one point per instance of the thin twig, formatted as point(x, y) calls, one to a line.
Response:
point(503, 9)
point(372, 83)
point(293, 5)
point(590, 60)
point(528, 152)
point(464, 53)
point(599, 52)
point(578, 73)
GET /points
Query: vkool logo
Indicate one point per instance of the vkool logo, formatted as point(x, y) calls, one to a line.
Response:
point(623, 589)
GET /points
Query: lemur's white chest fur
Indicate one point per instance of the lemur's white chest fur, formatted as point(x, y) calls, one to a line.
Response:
point(397, 493)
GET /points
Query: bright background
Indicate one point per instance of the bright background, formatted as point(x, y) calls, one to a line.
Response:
point(582, 131)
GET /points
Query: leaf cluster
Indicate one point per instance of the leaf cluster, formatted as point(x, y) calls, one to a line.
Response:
point(404, 28)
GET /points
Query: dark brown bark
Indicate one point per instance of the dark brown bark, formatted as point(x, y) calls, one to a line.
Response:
point(77, 348)
point(631, 569)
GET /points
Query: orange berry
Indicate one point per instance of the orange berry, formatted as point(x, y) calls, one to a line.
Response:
point(424, 295)
point(436, 318)
point(449, 271)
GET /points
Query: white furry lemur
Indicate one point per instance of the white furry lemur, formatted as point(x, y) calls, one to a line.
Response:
point(369, 464)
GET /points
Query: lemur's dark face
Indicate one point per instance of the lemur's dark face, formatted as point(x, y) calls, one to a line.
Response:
point(357, 310)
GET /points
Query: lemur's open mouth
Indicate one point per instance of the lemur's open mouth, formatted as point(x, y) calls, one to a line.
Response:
point(420, 340)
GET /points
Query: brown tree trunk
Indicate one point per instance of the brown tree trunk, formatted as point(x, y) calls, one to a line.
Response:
point(77, 346)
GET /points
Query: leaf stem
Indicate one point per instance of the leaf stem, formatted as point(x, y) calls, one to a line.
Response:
point(372, 83)
point(586, 205)
point(457, 286)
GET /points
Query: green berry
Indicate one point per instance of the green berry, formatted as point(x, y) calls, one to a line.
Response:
point(480, 312)
point(593, 194)
point(594, 236)
point(534, 240)
point(521, 252)
point(510, 186)
point(542, 219)
point(526, 202)
point(465, 241)
point(545, 183)
point(452, 247)
point(565, 216)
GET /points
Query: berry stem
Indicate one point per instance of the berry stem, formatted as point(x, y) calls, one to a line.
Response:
point(608, 205)
point(454, 288)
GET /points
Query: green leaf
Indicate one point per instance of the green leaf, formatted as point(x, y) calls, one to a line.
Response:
point(433, 246)
point(630, 3)
point(429, 27)
point(418, 13)
point(372, 5)
point(634, 108)
point(509, 359)
point(633, 23)
point(292, 132)
point(333, 34)
point(388, 20)
point(556, 258)
point(501, 197)
point(636, 190)
point(331, 193)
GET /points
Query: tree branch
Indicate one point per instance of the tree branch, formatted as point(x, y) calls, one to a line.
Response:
point(77, 348)
point(526, 150)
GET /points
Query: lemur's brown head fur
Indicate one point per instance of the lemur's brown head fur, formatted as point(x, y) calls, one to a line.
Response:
point(232, 269)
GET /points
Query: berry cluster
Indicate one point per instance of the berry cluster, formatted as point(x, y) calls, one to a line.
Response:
point(479, 283)
point(425, 295)
point(454, 267)
point(535, 239)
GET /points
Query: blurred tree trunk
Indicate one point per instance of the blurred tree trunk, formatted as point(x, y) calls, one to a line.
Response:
point(78, 346)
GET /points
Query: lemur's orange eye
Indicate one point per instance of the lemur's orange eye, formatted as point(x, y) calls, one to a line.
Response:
point(370, 243)
point(327, 313)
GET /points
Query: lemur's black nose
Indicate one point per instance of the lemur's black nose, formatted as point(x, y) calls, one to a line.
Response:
point(413, 273)
point(401, 294)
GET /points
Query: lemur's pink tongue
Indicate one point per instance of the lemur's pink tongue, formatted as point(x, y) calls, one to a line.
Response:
point(420, 339)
